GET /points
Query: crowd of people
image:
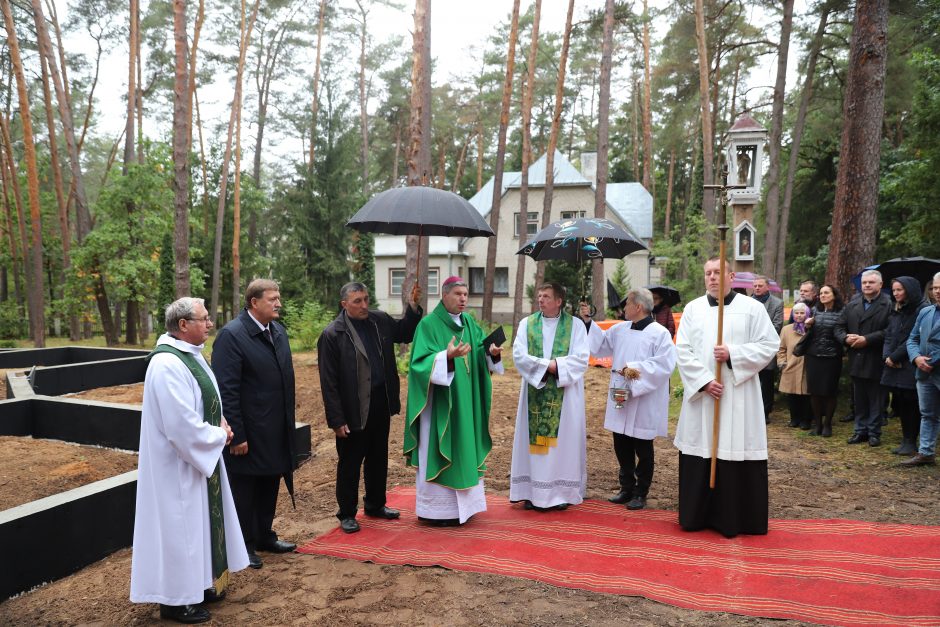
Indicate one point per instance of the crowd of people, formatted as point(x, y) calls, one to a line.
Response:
point(891, 343)
point(217, 440)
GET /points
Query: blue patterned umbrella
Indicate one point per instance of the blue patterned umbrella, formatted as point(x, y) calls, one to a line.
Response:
point(581, 239)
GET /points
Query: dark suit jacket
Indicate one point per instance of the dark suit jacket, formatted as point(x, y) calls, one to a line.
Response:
point(256, 380)
point(865, 363)
point(344, 370)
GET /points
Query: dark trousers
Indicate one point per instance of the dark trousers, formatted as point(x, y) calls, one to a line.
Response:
point(767, 390)
point(636, 464)
point(906, 406)
point(800, 410)
point(869, 405)
point(255, 499)
point(370, 446)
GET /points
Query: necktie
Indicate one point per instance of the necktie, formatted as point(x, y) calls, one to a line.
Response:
point(267, 334)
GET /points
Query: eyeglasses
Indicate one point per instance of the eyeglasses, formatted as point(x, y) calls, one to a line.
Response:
point(203, 319)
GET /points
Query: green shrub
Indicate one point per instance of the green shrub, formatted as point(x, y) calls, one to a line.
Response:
point(305, 322)
point(13, 324)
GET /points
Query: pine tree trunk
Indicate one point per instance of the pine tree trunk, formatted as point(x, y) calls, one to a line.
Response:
point(316, 85)
point(672, 169)
point(363, 104)
point(553, 137)
point(598, 281)
point(180, 155)
point(36, 296)
point(490, 271)
point(237, 210)
point(647, 107)
point(223, 177)
point(528, 89)
point(11, 233)
point(798, 128)
point(708, 202)
point(852, 243)
point(773, 234)
point(419, 147)
point(191, 86)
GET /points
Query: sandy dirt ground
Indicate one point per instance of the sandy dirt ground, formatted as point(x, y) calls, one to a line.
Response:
point(810, 477)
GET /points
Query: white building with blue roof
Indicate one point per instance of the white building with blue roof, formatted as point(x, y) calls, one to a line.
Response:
point(630, 204)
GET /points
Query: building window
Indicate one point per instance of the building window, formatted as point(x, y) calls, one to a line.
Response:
point(476, 280)
point(500, 281)
point(531, 225)
point(397, 278)
point(571, 215)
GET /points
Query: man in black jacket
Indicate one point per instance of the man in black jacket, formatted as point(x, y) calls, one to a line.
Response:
point(360, 386)
point(861, 328)
point(251, 360)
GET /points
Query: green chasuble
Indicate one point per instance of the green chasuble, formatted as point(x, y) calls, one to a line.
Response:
point(460, 413)
point(211, 413)
point(545, 402)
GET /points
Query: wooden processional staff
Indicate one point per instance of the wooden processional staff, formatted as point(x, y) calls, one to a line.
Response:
point(721, 214)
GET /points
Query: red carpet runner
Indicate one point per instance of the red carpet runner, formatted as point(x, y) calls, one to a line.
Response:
point(834, 572)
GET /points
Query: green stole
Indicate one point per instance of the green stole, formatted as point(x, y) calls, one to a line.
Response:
point(545, 402)
point(459, 439)
point(211, 413)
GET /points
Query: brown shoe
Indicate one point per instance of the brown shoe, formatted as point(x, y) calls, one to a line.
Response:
point(920, 460)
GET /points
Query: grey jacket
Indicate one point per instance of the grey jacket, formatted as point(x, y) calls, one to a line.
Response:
point(774, 307)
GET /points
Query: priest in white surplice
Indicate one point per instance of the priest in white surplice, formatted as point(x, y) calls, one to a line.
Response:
point(186, 534)
point(739, 501)
point(645, 346)
point(549, 452)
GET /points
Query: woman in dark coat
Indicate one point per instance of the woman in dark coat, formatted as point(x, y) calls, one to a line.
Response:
point(823, 361)
point(898, 374)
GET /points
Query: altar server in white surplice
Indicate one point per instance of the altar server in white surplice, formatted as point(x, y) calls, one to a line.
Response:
point(644, 346)
point(549, 453)
point(186, 533)
point(739, 501)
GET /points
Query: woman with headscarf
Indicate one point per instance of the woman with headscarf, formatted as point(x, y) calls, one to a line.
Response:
point(792, 372)
point(898, 373)
point(823, 362)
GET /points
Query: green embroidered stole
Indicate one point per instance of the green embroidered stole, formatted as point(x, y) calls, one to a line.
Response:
point(545, 403)
point(212, 413)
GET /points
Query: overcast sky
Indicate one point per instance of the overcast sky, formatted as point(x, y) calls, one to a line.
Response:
point(458, 27)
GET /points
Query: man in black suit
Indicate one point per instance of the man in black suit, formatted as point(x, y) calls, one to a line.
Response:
point(861, 328)
point(360, 386)
point(251, 360)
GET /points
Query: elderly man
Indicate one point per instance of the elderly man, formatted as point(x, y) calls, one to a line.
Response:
point(923, 348)
point(252, 361)
point(447, 434)
point(809, 296)
point(640, 344)
point(359, 382)
point(739, 501)
point(549, 452)
point(186, 534)
point(774, 307)
point(861, 328)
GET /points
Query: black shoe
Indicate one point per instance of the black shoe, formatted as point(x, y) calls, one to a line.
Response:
point(386, 512)
point(187, 614)
point(254, 561)
point(637, 502)
point(349, 525)
point(874, 441)
point(806, 425)
point(278, 546)
point(442, 522)
point(858, 438)
point(561, 507)
point(847, 418)
point(620, 498)
point(793, 424)
point(211, 596)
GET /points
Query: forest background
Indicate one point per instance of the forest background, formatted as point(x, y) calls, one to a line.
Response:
point(103, 223)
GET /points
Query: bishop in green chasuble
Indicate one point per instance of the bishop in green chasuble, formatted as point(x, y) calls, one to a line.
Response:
point(447, 435)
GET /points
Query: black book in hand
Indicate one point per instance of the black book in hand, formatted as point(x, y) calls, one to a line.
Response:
point(497, 337)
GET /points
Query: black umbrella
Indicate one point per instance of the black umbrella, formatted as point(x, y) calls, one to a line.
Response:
point(580, 239)
point(613, 298)
point(420, 211)
point(921, 268)
point(670, 295)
